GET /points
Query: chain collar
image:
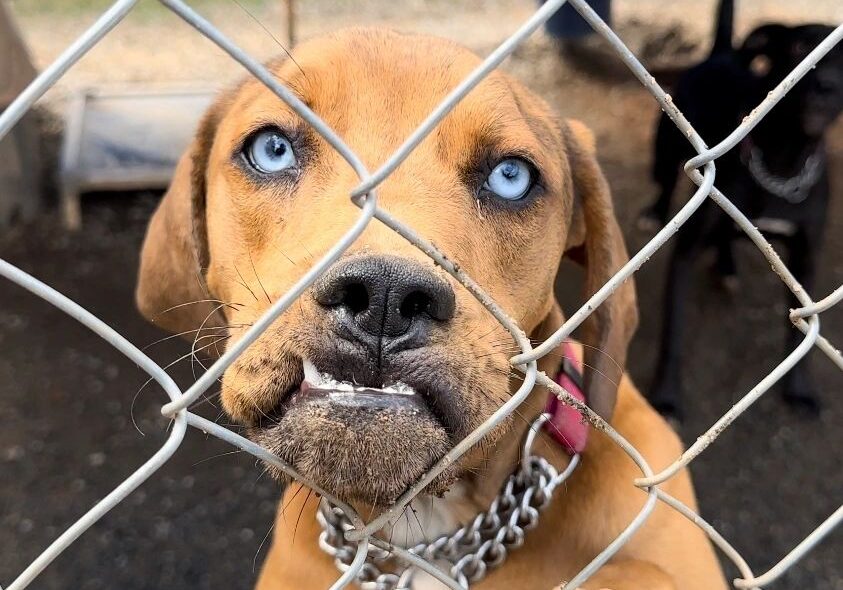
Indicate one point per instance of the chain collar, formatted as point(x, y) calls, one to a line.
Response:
point(468, 553)
point(794, 190)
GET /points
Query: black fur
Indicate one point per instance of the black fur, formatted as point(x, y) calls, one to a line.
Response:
point(715, 95)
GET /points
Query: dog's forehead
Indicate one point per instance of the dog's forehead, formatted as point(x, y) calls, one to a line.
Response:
point(384, 68)
point(383, 84)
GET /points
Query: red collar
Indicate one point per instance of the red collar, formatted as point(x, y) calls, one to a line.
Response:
point(566, 425)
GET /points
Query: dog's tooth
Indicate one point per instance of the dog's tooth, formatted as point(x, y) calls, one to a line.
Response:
point(311, 375)
point(399, 388)
point(402, 388)
point(327, 381)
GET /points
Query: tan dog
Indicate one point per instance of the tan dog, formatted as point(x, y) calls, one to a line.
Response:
point(503, 188)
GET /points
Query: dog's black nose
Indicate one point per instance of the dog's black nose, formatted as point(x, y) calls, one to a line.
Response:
point(385, 297)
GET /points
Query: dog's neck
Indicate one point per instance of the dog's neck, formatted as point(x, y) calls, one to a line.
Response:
point(429, 517)
point(769, 132)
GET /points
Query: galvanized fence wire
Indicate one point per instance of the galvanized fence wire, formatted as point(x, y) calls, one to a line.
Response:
point(702, 171)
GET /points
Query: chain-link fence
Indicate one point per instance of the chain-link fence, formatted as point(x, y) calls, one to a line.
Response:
point(359, 534)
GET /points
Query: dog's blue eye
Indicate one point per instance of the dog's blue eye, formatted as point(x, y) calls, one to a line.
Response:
point(270, 151)
point(510, 180)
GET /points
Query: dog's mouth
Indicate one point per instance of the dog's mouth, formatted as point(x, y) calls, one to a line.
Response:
point(317, 385)
point(360, 441)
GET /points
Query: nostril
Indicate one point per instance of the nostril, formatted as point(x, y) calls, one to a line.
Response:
point(376, 297)
point(355, 298)
point(415, 304)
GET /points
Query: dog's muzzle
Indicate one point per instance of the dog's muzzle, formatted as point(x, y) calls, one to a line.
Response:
point(378, 403)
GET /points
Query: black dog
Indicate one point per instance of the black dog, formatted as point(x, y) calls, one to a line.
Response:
point(777, 176)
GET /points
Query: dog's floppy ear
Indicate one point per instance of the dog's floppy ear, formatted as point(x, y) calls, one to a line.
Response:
point(171, 289)
point(595, 240)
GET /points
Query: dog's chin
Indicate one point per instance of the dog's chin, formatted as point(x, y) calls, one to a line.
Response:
point(360, 444)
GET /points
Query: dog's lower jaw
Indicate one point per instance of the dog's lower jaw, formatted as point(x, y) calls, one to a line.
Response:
point(368, 443)
point(358, 454)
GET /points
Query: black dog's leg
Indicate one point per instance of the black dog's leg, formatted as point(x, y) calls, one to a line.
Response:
point(725, 266)
point(666, 392)
point(667, 158)
point(798, 387)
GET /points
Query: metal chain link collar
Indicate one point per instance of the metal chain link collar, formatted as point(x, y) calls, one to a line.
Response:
point(794, 190)
point(472, 550)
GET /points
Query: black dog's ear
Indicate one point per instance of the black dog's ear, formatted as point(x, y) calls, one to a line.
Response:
point(171, 290)
point(595, 240)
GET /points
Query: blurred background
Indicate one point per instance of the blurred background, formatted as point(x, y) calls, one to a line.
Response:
point(77, 419)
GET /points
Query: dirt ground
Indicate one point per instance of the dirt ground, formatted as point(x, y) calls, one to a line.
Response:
point(75, 423)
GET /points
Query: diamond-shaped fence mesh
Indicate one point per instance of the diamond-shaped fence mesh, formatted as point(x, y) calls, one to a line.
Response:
point(702, 171)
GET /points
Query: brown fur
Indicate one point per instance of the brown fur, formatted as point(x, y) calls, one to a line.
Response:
point(221, 234)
